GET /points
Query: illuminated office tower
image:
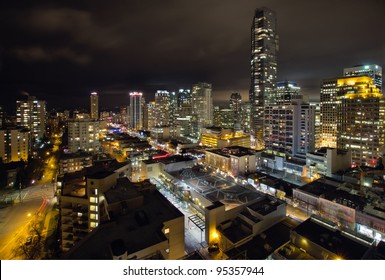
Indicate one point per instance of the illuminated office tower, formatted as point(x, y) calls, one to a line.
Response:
point(235, 106)
point(223, 117)
point(136, 115)
point(183, 112)
point(30, 113)
point(373, 71)
point(94, 106)
point(245, 116)
point(360, 123)
point(328, 113)
point(264, 48)
point(317, 124)
point(202, 107)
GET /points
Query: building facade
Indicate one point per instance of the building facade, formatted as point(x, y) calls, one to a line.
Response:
point(83, 134)
point(14, 144)
point(136, 114)
point(264, 48)
point(202, 106)
point(361, 117)
point(30, 113)
point(94, 106)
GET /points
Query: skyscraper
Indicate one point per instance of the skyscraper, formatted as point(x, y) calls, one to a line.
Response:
point(235, 106)
point(202, 106)
point(361, 116)
point(264, 48)
point(94, 106)
point(328, 113)
point(163, 108)
point(136, 115)
point(373, 71)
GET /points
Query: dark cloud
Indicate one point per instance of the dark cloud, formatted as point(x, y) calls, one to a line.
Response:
point(62, 50)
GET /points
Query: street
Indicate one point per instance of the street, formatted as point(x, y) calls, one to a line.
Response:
point(16, 220)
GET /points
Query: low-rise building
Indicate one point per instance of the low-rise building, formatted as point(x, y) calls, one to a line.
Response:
point(143, 225)
point(73, 162)
point(234, 160)
point(319, 239)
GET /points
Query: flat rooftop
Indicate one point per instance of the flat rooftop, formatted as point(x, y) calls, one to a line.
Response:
point(265, 205)
point(123, 190)
point(347, 199)
point(317, 188)
point(169, 160)
point(332, 240)
point(256, 249)
point(237, 151)
point(137, 230)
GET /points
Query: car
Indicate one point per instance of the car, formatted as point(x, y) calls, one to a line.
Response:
point(28, 240)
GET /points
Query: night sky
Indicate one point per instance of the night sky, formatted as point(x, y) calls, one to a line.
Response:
point(61, 51)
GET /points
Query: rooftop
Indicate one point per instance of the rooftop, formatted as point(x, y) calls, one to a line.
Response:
point(333, 240)
point(265, 205)
point(318, 188)
point(262, 245)
point(135, 231)
point(347, 199)
point(237, 151)
point(169, 159)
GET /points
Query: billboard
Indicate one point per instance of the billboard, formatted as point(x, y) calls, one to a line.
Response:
point(340, 214)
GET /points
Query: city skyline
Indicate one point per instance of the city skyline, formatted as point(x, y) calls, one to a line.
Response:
point(63, 52)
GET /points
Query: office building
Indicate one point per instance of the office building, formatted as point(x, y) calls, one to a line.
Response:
point(373, 71)
point(264, 47)
point(246, 117)
point(94, 106)
point(136, 114)
point(360, 119)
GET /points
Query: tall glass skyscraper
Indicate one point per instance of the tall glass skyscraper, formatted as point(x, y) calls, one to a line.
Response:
point(264, 48)
point(136, 117)
point(94, 105)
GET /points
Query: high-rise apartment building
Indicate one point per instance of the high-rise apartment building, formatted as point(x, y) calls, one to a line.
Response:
point(83, 134)
point(136, 114)
point(373, 71)
point(361, 116)
point(289, 124)
point(94, 106)
point(246, 116)
point(328, 113)
point(30, 113)
point(264, 48)
point(235, 106)
point(163, 108)
point(202, 107)
point(14, 144)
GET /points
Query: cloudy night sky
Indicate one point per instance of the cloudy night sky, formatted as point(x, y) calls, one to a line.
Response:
point(61, 51)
